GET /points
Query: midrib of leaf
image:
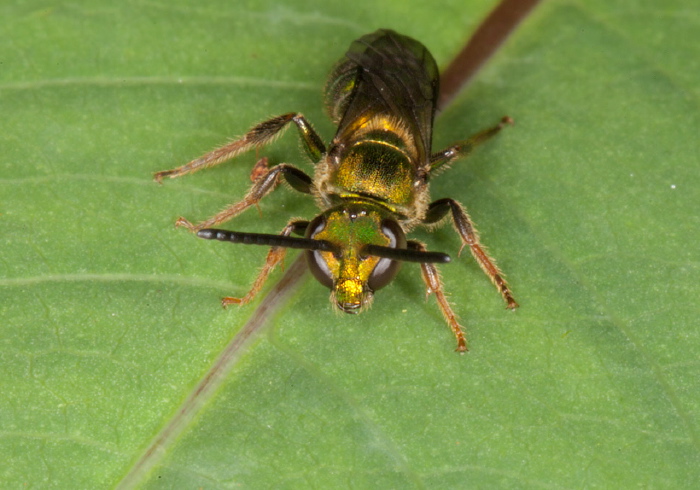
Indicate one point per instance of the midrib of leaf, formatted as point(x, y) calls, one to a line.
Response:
point(217, 374)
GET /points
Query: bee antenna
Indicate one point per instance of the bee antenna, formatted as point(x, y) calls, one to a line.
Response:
point(406, 255)
point(266, 240)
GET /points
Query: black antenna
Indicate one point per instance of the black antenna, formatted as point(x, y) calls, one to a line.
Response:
point(400, 254)
point(406, 255)
point(266, 240)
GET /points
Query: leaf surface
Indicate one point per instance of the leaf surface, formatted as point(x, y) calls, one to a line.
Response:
point(109, 316)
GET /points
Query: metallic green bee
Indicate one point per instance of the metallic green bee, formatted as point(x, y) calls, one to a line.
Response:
point(371, 182)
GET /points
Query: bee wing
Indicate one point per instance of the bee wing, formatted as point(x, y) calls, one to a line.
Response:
point(386, 73)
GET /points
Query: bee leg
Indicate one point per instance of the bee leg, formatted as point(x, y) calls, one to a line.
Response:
point(274, 257)
point(260, 168)
point(259, 136)
point(464, 148)
point(463, 224)
point(433, 284)
point(260, 188)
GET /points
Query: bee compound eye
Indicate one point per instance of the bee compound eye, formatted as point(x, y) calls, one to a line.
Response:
point(393, 231)
point(317, 225)
point(319, 268)
point(383, 273)
point(386, 269)
point(314, 258)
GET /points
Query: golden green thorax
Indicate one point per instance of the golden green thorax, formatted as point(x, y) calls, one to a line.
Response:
point(350, 227)
point(378, 163)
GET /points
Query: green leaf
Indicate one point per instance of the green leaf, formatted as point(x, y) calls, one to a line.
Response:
point(110, 317)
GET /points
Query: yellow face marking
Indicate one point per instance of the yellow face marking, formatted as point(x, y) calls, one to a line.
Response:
point(349, 294)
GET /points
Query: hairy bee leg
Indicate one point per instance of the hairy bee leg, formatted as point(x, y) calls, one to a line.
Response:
point(464, 148)
point(261, 187)
point(463, 224)
point(260, 168)
point(274, 257)
point(260, 135)
point(433, 284)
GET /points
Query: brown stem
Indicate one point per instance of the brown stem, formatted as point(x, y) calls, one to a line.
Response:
point(492, 32)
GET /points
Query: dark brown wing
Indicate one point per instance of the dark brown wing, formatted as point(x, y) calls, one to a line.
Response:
point(386, 73)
